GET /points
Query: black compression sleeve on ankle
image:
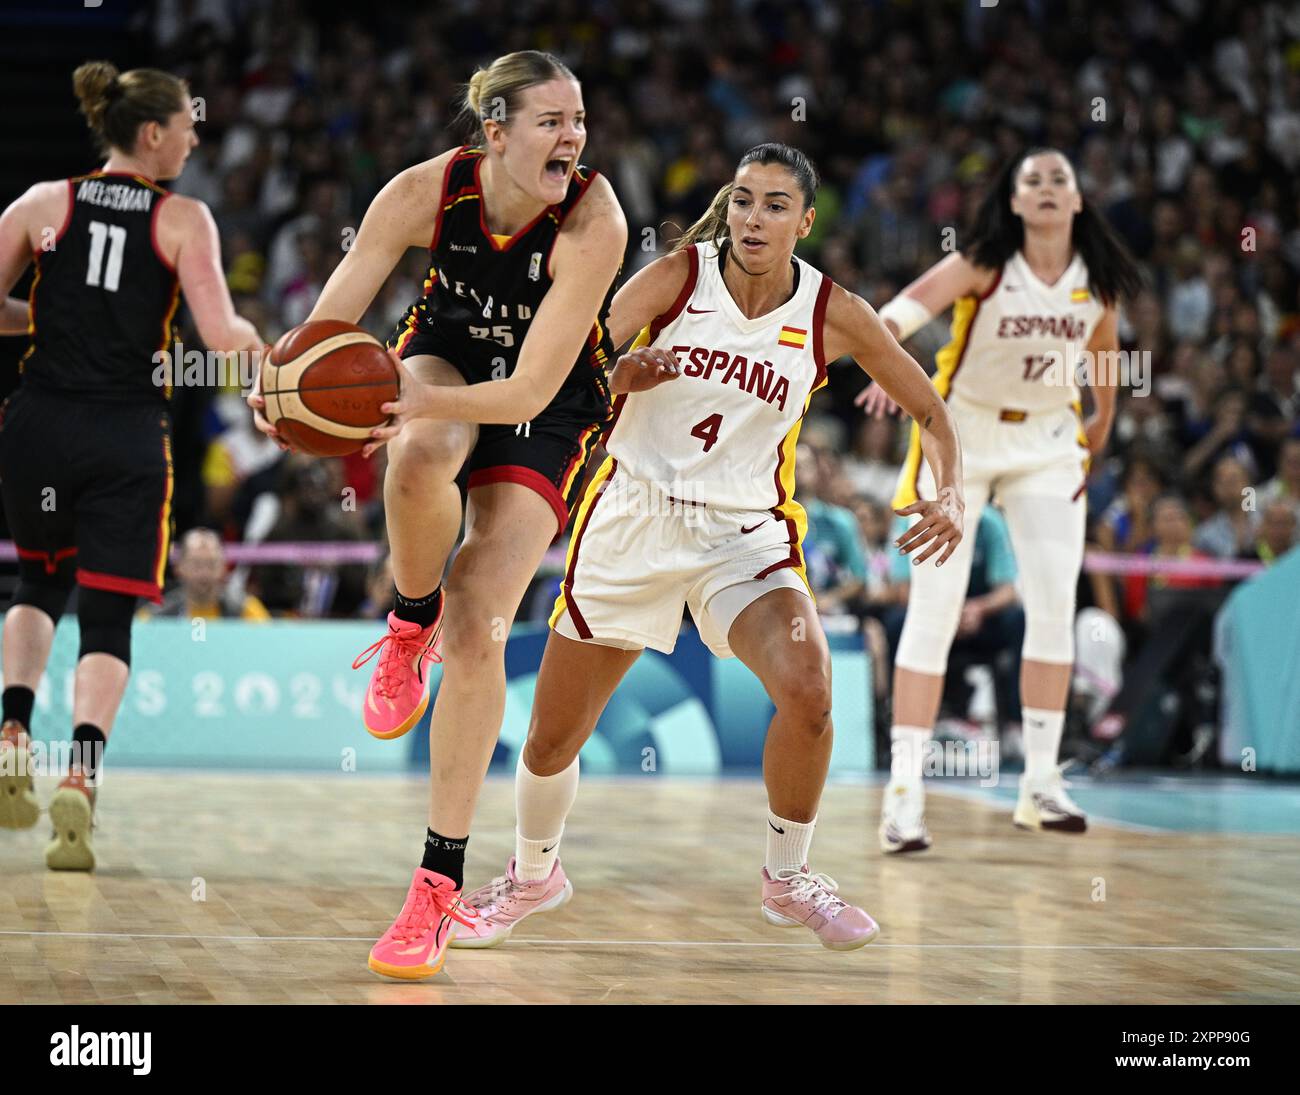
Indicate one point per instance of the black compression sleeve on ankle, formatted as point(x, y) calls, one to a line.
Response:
point(88, 749)
point(423, 611)
point(445, 856)
point(18, 702)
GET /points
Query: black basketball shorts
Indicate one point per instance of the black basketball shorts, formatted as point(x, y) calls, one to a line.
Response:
point(89, 485)
point(549, 455)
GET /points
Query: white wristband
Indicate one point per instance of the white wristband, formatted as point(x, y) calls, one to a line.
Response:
point(909, 315)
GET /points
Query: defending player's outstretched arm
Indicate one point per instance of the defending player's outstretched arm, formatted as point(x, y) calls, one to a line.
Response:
point(853, 329)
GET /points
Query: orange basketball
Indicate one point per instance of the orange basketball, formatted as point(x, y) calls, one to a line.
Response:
point(324, 383)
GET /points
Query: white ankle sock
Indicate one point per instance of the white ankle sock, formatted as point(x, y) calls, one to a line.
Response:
point(541, 805)
point(788, 843)
point(1042, 734)
point(907, 753)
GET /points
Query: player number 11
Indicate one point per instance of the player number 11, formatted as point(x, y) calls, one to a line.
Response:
point(112, 272)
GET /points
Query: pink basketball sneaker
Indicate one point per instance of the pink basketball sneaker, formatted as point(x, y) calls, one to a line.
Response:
point(505, 901)
point(399, 689)
point(416, 945)
point(798, 897)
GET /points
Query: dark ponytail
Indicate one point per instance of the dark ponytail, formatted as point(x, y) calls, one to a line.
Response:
point(998, 233)
point(713, 225)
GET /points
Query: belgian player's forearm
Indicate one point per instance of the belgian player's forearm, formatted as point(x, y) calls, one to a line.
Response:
point(237, 334)
point(13, 316)
point(511, 401)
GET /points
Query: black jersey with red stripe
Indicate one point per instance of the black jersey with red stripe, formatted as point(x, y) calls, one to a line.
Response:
point(481, 293)
point(103, 297)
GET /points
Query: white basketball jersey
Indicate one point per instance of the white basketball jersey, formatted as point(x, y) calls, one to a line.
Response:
point(1016, 347)
point(724, 432)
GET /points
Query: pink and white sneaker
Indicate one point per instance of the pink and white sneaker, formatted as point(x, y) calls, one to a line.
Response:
point(416, 945)
point(799, 897)
point(505, 901)
point(399, 688)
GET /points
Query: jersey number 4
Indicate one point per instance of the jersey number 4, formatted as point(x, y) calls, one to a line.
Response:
point(115, 235)
point(707, 431)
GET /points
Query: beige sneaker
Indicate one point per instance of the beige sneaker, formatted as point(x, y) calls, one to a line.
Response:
point(72, 811)
point(18, 806)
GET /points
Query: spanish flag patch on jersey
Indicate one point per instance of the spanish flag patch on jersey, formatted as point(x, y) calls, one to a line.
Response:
point(793, 337)
point(1080, 296)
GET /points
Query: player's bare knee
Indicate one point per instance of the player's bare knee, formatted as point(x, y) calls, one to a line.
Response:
point(426, 452)
point(549, 752)
point(803, 692)
point(474, 632)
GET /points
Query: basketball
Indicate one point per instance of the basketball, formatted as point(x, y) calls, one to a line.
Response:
point(324, 382)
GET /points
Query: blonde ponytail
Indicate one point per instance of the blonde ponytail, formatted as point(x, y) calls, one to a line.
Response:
point(92, 83)
point(117, 104)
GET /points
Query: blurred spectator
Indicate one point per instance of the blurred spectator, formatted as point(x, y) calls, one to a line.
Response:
point(1171, 526)
point(1285, 486)
point(1231, 530)
point(379, 591)
point(832, 546)
point(239, 460)
point(1173, 661)
point(1277, 533)
point(313, 507)
point(872, 467)
point(879, 595)
point(204, 592)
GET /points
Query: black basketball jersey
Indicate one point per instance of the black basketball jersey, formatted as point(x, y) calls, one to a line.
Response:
point(482, 291)
point(103, 297)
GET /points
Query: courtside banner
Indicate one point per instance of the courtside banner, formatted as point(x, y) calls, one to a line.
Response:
point(284, 695)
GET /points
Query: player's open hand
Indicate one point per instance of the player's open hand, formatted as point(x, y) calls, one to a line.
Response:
point(258, 405)
point(415, 399)
point(875, 401)
point(940, 527)
point(642, 369)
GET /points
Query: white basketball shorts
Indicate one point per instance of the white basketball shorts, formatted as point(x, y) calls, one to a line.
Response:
point(636, 560)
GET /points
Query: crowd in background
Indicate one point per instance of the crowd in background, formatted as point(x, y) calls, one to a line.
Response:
point(1182, 119)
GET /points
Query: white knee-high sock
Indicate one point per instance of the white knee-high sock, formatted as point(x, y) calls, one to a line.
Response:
point(1042, 731)
point(907, 753)
point(541, 805)
point(788, 843)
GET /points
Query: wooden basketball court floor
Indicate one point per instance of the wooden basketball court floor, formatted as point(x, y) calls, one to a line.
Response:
point(270, 888)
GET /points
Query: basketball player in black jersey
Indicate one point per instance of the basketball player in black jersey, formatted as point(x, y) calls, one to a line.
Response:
point(85, 449)
point(525, 244)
